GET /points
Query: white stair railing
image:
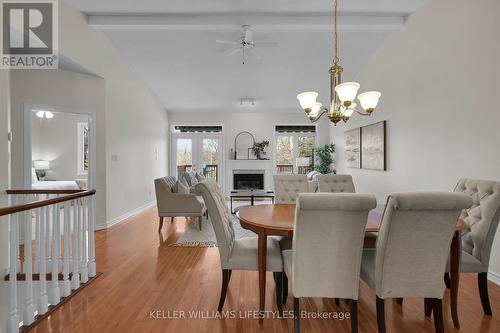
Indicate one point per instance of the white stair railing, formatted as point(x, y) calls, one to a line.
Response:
point(49, 232)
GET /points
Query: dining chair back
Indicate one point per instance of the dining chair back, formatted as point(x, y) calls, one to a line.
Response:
point(414, 243)
point(287, 188)
point(412, 250)
point(328, 242)
point(237, 254)
point(219, 215)
point(482, 219)
point(327, 246)
point(333, 183)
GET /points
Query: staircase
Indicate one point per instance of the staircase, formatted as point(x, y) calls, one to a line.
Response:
point(51, 234)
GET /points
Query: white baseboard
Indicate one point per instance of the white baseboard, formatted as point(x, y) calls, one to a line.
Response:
point(118, 219)
point(494, 277)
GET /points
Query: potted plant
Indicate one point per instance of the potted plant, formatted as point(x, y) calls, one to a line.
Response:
point(259, 149)
point(324, 158)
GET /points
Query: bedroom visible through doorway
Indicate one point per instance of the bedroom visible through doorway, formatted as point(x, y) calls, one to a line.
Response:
point(60, 149)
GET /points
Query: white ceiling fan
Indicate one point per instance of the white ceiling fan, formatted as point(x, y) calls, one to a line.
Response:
point(246, 44)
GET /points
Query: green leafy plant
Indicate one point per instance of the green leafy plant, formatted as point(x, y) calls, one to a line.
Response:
point(324, 158)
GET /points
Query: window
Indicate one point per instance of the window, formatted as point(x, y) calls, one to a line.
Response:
point(83, 148)
point(294, 149)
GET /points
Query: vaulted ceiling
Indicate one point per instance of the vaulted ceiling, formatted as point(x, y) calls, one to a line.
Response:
point(172, 46)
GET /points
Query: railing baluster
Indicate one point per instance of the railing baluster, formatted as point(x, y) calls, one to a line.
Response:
point(55, 293)
point(66, 285)
point(29, 309)
point(83, 236)
point(14, 319)
point(91, 228)
point(17, 201)
point(43, 300)
point(48, 235)
point(37, 238)
point(75, 278)
point(42, 251)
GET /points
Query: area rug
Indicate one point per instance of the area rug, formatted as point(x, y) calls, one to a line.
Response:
point(193, 237)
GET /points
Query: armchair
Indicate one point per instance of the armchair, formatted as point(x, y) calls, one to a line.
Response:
point(172, 204)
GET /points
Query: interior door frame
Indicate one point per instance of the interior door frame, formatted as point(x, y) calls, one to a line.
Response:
point(27, 157)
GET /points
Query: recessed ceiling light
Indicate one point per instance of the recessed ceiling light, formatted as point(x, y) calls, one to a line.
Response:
point(247, 101)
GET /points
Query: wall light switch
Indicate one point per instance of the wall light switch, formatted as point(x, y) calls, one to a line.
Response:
point(114, 158)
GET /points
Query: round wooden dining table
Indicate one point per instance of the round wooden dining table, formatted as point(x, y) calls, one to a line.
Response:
point(279, 219)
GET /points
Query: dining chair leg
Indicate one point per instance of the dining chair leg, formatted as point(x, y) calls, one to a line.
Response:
point(199, 221)
point(279, 292)
point(437, 305)
point(161, 224)
point(226, 276)
point(296, 315)
point(380, 315)
point(285, 288)
point(428, 304)
point(447, 280)
point(354, 315)
point(482, 283)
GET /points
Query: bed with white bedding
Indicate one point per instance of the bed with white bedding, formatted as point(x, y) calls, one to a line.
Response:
point(52, 185)
point(55, 185)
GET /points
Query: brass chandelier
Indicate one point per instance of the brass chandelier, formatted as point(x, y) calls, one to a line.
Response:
point(342, 95)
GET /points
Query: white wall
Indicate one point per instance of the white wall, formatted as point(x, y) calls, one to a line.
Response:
point(4, 184)
point(439, 82)
point(261, 125)
point(62, 89)
point(56, 140)
point(136, 125)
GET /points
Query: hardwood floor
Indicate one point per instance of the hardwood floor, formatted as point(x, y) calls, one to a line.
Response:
point(141, 273)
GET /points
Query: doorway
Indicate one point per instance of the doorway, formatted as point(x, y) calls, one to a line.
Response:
point(59, 148)
point(201, 152)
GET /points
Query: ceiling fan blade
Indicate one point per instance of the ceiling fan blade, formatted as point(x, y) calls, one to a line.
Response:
point(248, 36)
point(226, 42)
point(255, 53)
point(265, 44)
point(233, 52)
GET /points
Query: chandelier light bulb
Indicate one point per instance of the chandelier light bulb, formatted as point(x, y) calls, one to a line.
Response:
point(315, 109)
point(369, 100)
point(307, 99)
point(347, 91)
point(350, 110)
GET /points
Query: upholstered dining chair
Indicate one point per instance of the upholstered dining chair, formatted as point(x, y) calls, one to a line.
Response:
point(287, 187)
point(482, 219)
point(327, 245)
point(237, 254)
point(333, 183)
point(412, 249)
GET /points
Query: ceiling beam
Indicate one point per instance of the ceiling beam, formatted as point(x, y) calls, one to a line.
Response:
point(259, 22)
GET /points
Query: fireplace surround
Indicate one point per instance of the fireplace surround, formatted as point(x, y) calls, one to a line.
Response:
point(248, 179)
